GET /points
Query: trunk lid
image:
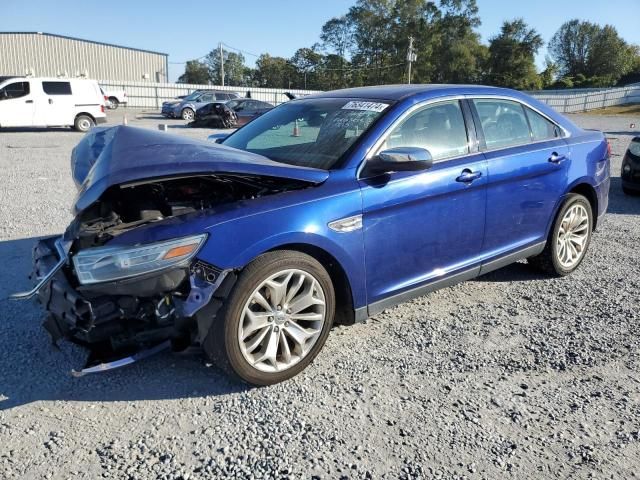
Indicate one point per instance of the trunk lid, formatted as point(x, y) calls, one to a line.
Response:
point(110, 156)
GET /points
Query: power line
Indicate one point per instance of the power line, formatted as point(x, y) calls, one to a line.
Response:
point(240, 50)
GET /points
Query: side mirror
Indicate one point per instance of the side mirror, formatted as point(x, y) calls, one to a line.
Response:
point(400, 159)
point(217, 137)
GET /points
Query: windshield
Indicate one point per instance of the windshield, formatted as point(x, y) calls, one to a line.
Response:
point(308, 133)
point(192, 96)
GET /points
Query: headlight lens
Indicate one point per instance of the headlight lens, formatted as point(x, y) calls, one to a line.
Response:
point(105, 264)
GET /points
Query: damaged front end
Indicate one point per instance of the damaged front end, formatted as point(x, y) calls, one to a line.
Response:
point(125, 301)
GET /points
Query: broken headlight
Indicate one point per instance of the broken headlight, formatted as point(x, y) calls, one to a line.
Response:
point(105, 264)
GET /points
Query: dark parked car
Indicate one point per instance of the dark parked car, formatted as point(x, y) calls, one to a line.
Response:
point(330, 208)
point(247, 109)
point(631, 168)
point(215, 115)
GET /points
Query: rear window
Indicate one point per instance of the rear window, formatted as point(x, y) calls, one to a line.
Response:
point(503, 122)
point(56, 88)
point(541, 128)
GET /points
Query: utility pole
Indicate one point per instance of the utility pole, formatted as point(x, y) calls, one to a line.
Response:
point(221, 65)
point(411, 57)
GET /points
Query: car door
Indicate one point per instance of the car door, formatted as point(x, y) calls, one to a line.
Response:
point(56, 107)
point(527, 162)
point(423, 229)
point(17, 104)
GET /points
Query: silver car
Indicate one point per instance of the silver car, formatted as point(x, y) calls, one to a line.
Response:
point(186, 109)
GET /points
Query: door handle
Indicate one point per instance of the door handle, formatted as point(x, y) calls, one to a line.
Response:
point(555, 158)
point(50, 102)
point(28, 101)
point(468, 176)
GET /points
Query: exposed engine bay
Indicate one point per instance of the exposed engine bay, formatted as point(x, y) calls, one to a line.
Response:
point(127, 206)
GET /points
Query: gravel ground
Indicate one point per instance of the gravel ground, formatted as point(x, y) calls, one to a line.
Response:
point(513, 375)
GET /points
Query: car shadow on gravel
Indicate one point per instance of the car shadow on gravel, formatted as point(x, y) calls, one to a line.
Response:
point(619, 202)
point(32, 369)
point(516, 272)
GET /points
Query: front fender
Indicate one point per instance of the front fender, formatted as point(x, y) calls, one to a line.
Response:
point(232, 247)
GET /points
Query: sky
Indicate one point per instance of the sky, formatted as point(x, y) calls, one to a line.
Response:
point(189, 29)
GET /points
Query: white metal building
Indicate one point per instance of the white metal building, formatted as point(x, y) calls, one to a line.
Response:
point(48, 55)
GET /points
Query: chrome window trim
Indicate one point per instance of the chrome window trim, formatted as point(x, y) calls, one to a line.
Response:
point(376, 146)
point(564, 131)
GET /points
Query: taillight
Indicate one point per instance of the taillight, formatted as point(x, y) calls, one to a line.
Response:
point(102, 108)
point(105, 98)
point(608, 148)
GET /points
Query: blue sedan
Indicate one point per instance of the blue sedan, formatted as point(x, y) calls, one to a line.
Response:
point(326, 209)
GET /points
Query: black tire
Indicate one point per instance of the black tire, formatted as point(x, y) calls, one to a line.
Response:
point(221, 343)
point(114, 103)
point(548, 261)
point(83, 123)
point(188, 114)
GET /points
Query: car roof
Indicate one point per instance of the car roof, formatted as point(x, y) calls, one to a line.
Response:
point(400, 92)
point(48, 79)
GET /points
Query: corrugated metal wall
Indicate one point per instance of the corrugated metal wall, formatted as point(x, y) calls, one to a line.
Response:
point(51, 56)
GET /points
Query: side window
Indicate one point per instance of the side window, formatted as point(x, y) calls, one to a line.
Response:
point(439, 128)
point(541, 128)
point(56, 88)
point(503, 122)
point(208, 97)
point(14, 90)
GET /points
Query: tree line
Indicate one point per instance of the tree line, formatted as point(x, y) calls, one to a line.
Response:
point(369, 45)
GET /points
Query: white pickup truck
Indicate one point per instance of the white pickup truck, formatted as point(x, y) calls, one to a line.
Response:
point(113, 98)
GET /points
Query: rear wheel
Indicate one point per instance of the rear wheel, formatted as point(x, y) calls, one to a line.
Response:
point(569, 238)
point(276, 319)
point(83, 123)
point(188, 114)
point(114, 103)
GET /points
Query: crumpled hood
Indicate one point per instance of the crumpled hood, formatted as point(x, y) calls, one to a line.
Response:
point(109, 156)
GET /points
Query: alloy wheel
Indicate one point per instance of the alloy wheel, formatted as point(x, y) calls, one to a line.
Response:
point(282, 320)
point(572, 236)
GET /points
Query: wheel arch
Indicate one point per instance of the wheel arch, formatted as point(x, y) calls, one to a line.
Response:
point(587, 190)
point(84, 113)
point(345, 311)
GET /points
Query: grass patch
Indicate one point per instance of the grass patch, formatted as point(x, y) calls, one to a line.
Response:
point(631, 109)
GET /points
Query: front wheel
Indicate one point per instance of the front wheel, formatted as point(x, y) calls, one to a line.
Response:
point(188, 114)
point(569, 238)
point(276, 319)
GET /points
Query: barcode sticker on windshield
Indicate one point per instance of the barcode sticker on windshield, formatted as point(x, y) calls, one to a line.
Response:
point(367, 106)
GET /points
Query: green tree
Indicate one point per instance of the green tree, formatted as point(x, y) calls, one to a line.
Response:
point(596, 52)
point(234, 68)
point(458, 56)
point(337, 37)
point(195, 72)
point(273, 72)
point(306, 63)
point(548, 75)
point(512, 56)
